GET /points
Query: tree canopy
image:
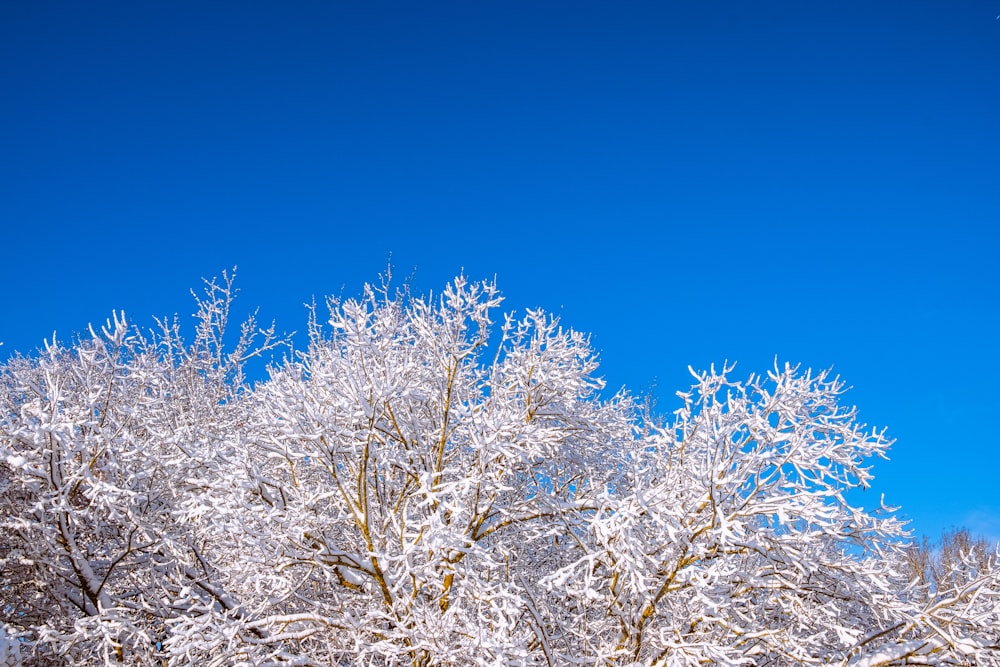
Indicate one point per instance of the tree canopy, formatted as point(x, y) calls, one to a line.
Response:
point(434, 482)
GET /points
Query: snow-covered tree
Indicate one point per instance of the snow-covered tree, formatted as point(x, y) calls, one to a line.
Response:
point(425, 486)
point(104, 448)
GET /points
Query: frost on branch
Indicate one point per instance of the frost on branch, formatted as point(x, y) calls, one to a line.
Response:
point(434, 482)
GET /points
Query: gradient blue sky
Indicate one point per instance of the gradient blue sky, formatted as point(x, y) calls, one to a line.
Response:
point(689, 181)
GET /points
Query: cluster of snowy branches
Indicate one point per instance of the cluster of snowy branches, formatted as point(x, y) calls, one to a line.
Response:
point(422, 486)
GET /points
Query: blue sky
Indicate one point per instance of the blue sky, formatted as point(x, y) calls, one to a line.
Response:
point(689, 181)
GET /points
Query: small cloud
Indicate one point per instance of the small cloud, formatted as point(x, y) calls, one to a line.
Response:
point(983, 522)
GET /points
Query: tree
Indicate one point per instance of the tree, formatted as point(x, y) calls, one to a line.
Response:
point(102, 448)
point(957, 560)
point(413, 489)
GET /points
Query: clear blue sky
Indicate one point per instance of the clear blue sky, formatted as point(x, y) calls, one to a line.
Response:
point(689, 181)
